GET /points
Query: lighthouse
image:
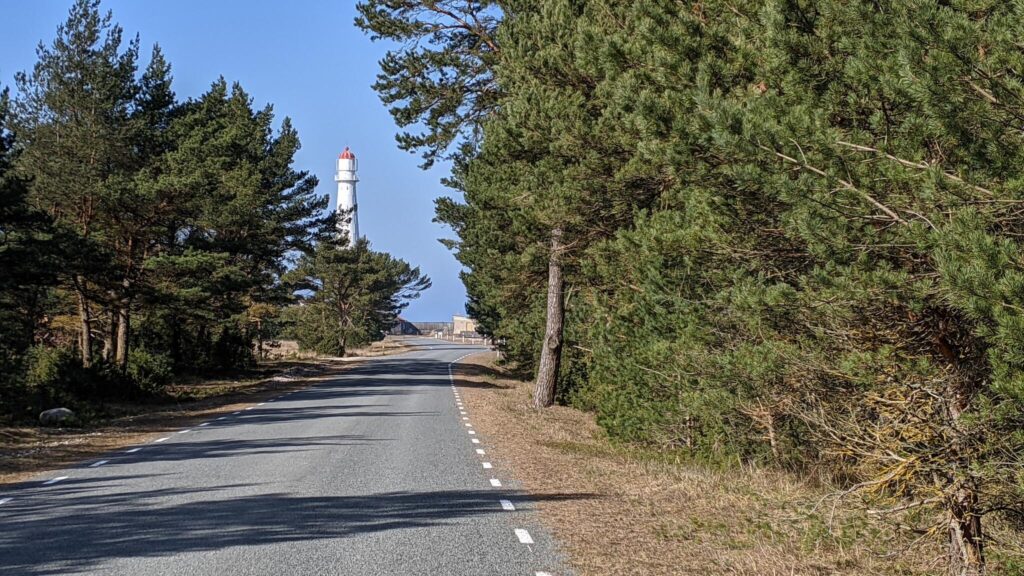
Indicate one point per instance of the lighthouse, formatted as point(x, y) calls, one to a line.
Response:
point(348, 215)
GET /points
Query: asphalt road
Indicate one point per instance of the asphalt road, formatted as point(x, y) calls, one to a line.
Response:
point(372, 471)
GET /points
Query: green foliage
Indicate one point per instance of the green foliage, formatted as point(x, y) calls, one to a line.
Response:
point(354, 295)
point(149, 371)
point(55, 377)
point(145, 234)
point(792, 235)
point(440, 78)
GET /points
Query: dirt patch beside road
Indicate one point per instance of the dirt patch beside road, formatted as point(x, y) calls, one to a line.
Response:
point(29, 450)
point(645, 513)
point(26, 451)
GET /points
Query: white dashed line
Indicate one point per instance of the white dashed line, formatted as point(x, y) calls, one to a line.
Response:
point(465, 417)
point(205, 424)
point(98, 464)
point(222, 417)
point(507, 505)
point(234, 413)
point(462, 411)
point(183, 431)
point(474, 440)
point(487, 465)
point(480, 451)
point(164, 439)
point(468, 425)
point(132, 451)
point(249, 408)
point(542, 574)
point(472, 432)
point(4, 501)
point(261, 403)
point(495, 482)
point(524, 536)
point(54, 480)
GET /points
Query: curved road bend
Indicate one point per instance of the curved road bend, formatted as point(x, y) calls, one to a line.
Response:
point(370, 471)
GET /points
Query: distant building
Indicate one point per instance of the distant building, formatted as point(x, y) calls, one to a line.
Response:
point(432, 328)
point(404, 328)
point(463, 325)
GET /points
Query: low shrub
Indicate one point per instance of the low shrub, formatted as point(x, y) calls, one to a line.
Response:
point(149, 371)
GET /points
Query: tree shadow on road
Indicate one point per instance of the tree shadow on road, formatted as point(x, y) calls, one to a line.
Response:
point(87, 529)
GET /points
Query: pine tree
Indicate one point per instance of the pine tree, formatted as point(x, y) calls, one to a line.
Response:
point(241, 209)
point(357, 295)
point(73, 119)
point(553, 163)
point(442, 77)
point(30, 257)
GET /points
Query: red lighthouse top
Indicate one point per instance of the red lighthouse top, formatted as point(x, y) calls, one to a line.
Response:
point(347, 154)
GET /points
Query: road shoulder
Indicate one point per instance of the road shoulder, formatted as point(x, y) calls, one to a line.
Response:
point(26, 451)
point(639, 512)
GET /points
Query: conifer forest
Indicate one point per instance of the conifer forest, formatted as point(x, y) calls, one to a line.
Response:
point(775, 232)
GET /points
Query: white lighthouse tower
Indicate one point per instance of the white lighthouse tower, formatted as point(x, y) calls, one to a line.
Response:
point(348, 210)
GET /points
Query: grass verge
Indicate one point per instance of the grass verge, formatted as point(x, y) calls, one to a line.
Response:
point(26, 451)
point(644, 512)
point(29, 450)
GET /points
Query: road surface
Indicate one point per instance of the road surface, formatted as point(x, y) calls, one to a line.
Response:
point(370, 471)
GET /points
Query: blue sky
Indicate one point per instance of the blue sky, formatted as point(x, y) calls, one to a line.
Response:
point(307, 59)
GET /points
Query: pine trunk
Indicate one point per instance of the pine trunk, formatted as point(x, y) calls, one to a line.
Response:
point(85, 337)
point(966, 545)
point(342, 339)
point(966, 541)
point(259, 340)
point(123, 325)
point(551, 352)
point(109, 335)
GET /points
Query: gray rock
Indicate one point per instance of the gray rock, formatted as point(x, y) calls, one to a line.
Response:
point(55, 416)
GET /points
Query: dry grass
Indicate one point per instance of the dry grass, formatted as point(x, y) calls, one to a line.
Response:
point(638, 512)
point(29, 450)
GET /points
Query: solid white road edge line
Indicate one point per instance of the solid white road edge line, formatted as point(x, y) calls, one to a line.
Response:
point(524, 536)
